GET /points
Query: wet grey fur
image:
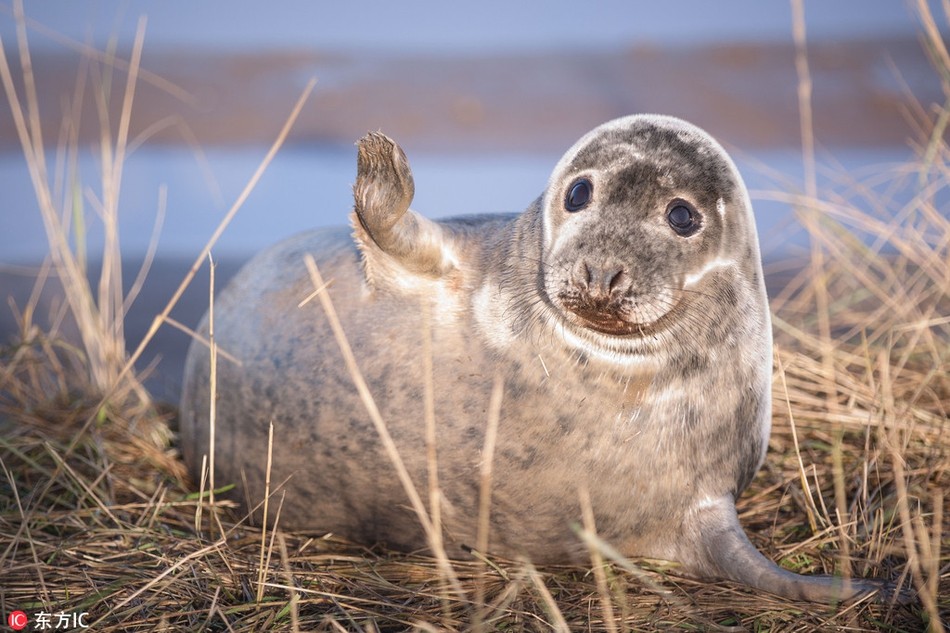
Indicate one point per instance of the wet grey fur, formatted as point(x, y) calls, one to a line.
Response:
point(635, 361)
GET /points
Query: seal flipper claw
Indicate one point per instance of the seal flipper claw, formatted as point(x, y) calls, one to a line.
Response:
point(386, 230)
point(725, 552)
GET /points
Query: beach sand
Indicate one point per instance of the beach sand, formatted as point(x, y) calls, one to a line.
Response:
point(745, 94)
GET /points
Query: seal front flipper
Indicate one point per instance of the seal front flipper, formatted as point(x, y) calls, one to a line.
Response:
point(725, 552)
point(392, 238)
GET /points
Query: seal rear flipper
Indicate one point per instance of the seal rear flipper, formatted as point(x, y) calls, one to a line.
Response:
point(392, 238)
point(725, 552)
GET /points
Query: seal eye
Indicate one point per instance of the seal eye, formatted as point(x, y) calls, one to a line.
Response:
point(683, 219)
point(578, 196)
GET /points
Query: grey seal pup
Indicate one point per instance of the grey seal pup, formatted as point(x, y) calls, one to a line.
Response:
point(624, 310)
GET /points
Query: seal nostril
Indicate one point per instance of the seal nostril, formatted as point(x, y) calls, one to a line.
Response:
point(586, 277)
point(617, 279)
point(599, 282)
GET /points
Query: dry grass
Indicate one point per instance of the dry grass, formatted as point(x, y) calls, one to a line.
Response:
point(96, 515)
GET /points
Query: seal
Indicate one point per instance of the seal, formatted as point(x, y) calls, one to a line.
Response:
point(624, 312)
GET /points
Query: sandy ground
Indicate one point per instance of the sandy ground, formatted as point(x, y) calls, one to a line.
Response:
point(745, 94)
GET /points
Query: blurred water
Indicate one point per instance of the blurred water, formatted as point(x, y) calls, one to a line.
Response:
point(435, 26)
point(309, 186)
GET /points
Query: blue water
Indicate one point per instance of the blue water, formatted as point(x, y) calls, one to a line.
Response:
point(459, 28)
point(310, 186)
point(307, 187)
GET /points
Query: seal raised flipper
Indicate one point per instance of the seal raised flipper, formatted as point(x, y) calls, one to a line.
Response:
point(392, 238)
point(724, 551)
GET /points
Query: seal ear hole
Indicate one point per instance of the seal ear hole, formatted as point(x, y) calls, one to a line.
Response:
point(683, 218)
point(579, 195)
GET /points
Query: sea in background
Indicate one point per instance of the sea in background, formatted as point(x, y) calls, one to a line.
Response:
point(483, 99)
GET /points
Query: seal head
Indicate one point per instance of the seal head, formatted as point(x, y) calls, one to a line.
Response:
point(635, 218)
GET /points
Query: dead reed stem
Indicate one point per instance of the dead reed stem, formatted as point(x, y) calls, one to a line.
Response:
point(597, 561)
point(213, 386)
point(810, 508)
point(484, 491)
point(100, 323)
point(432, 456)
point(87, 51)
point(485, 465)
point(390, 447)
point(238, 203)
point(260, 561)
point(558, 623)
point(812, 221)
point(181, 562)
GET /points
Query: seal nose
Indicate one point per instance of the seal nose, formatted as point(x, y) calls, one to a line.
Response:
point(602, 281)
